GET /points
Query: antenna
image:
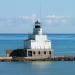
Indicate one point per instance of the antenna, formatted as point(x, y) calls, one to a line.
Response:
point(40, 10)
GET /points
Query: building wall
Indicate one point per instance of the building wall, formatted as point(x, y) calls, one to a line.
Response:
point(37, 45)
point(42, 38)
point(41, 55)
point(36, 54)
point(40, 42)
point(40, 45)
point(37, 31)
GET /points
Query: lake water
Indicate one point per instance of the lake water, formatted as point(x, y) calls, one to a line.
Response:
point(63, 44)
point(37, 68)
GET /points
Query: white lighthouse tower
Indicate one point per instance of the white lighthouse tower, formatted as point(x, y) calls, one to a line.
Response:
point(37, 45)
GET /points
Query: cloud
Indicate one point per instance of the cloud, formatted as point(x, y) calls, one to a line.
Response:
point(56, 19)
point(32, 17)
point(17, 20)
point(50, 19)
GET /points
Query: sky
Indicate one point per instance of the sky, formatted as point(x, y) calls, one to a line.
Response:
point(18, 16)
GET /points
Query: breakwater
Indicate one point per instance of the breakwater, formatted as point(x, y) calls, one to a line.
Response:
point(24, 59)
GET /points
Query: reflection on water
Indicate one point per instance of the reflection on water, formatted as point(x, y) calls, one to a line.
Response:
point(41, 64)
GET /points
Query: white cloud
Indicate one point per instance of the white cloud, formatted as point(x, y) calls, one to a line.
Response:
point(23, 23)
point(50, 19)
point(33, 17)
point(56, 19)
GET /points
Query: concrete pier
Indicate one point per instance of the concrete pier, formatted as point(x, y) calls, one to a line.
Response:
point(24, 59)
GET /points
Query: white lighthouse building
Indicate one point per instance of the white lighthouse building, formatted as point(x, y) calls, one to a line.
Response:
point(37, 45)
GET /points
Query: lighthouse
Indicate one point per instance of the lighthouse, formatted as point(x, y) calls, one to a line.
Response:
point(37, 45)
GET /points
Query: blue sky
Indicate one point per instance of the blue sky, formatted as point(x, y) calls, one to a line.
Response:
point(18, 16)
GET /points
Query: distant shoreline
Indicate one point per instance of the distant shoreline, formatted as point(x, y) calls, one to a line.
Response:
point(31, 33)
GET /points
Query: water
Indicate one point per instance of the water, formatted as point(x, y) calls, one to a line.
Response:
point(62, 44)
point(37, 68)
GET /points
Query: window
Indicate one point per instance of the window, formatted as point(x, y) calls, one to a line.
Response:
point(45, 52)
point(49, 52)
point(39, 52)
point(34, 52)
point(29, 53)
